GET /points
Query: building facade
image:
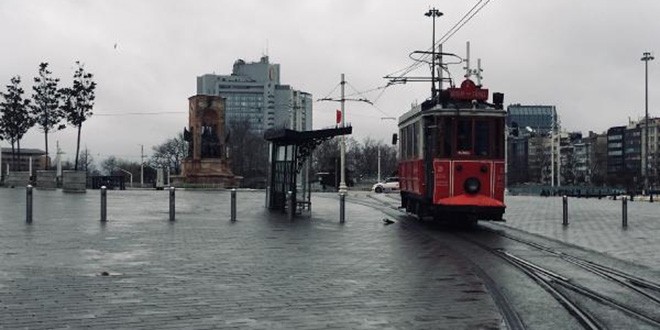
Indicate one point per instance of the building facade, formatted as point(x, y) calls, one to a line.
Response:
point(529, 129)
point(22, 163)
point(541, 119)
point(254, 94)
point(650, 159)
point(615, 146)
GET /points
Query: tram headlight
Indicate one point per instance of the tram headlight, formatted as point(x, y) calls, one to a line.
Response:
point(472, 185)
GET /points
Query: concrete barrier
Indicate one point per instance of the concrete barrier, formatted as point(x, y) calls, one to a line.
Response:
point(74, 181)
point(46, 179)
point(17, 179)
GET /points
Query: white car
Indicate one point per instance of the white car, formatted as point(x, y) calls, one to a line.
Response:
point(390, 184)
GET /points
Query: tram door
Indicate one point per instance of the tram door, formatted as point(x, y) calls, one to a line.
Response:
point(430, 152)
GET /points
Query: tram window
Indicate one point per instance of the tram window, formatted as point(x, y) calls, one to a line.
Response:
point(413, 130)
point(447, 137)
point(499, 138)
point(481, 137)
point(464, 137)
point(430, 137)
point(409, 145)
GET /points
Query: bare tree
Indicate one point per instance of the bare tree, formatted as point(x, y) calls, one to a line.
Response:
point(87, 162)
point(171, 153)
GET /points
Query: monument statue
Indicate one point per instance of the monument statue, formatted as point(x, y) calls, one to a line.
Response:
point(207, 164)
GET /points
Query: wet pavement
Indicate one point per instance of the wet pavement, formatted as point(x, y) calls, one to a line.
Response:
point(594, 224)
point(67, 270)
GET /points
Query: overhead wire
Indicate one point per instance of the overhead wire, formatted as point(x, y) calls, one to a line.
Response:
point(367, 100)
point(455, 28)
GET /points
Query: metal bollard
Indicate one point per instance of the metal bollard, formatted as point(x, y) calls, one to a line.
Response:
point(104, 204)
point(233, 204)
point(565, 207)
point(292, 204)
point(172, 209)
point(267, 197)
point(28, 204)
point(342, 207)
point(624, 212)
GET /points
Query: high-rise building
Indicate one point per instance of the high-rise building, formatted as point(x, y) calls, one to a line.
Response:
point(615, 146)
point(540, 119)
point(254, 94)
point(529, 146)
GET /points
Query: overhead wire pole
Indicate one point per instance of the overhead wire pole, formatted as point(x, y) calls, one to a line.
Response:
point(141, 165)
point(342, 183)
point(342, 153)
point(433, 13)
point(646, 58)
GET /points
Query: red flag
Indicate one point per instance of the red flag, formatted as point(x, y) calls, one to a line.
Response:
point(338, 117)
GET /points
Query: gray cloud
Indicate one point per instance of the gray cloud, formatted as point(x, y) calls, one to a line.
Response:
point(583, 56)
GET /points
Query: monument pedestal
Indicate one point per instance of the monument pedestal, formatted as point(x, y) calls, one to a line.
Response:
point(205, 173)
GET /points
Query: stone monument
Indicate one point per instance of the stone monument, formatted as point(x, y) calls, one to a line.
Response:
point(207, 164)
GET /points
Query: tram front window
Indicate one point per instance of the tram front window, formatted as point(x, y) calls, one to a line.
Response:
point(481, 135)
point(464, 137)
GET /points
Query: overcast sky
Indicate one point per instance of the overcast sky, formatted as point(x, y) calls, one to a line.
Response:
point(582, 56)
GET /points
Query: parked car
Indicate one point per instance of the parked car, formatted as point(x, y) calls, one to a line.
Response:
point(390, 184)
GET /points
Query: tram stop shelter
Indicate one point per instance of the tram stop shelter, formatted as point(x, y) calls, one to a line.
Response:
point(289, 151)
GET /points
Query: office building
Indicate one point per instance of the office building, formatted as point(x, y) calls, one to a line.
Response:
point(540, 119)
point(255, 94)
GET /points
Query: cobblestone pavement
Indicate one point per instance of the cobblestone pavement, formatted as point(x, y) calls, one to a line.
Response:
point(139, 271)
point(593, 224)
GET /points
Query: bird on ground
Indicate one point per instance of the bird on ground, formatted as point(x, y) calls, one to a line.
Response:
point(388, 221)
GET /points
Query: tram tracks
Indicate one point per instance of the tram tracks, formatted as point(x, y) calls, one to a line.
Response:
point(556, 285)
point(634, 303)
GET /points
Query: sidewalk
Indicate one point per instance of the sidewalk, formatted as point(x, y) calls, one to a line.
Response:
point(139, 271)
point(593, 224)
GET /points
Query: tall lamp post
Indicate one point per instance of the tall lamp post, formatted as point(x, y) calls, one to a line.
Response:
point(646, 58)
point(433, 13)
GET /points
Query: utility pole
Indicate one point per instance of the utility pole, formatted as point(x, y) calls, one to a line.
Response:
point(342, 182)
point(378, 163)
point(433, 13)
point(141, 165)
point(646, 58)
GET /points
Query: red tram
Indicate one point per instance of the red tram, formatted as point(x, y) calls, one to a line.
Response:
point(451, 164)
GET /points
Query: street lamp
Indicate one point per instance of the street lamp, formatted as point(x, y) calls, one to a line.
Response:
point(433, 13)
point(382, 118)
point(646, 58)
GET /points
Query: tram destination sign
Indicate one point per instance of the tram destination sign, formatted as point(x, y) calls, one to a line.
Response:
point(468, 91)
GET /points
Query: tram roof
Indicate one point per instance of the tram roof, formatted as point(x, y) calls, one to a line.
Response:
point(456, 109)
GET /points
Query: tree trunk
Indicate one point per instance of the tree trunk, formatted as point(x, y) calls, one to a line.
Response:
point(13, 156)
point(47, 158)
point(18, 144)
point(77, 147)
